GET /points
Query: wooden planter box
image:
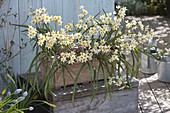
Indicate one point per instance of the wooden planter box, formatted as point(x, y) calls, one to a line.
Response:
point(122, 101)
point(84, 76)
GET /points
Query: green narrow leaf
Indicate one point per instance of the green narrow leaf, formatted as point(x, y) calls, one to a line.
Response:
point(26, 26)
point(12, 80)
point(138, 62)
point(74, 26)
point(63, 75)
point(97, 14)
point(24, 31)
point(4, 91)
point(104, 12)
point(75, 82)
point(32, 63)
point(52, 105)
point(4, 79)
point(90, 71)
point(70, 71)
point(92, 80)
point(105, 78)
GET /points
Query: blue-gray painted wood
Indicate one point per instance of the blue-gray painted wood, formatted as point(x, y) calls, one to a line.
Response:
point(107, 5)
point(67, 9)
point(93, 6)
point(15, 63)
point(70, 11)
point(27, 53)
point(55, 7)
point(122, 101)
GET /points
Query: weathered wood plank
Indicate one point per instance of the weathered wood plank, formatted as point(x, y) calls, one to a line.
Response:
point(36, 4)
point(161, 93)
point(3, 33)
point(70, 11)
point(168, 85)
point(54, 7)
point(13, 34)
point(3, 40)
point(122, 101)
point(146, 97)
point(107, 5)
point(27, 53)
point(92, 6)
point(140, 108)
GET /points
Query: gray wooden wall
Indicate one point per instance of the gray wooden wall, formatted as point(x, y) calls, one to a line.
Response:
point(68, 9)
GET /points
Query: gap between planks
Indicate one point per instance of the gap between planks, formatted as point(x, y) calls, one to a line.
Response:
point(160, 92)
point(147, 100)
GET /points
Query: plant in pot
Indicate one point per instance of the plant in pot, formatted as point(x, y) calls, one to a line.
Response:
point(160, 53)
point(18, 94)
point(163, 64)
point(9, 104)
point(163, 69)
point(95, 48)
point(25, 98)
point(149, 64)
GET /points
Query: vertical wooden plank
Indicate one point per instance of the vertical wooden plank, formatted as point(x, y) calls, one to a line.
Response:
point(107, 5)
point(92, 6)
point(15, 62)
point(161, 92)
point(54, 7)
point(147, 100)
point(70, 11)
point(6, 37)
point(22, 13)
point(3, 36)
point(35, 3)
point(3, 9)
point(95, 6)
point(27, 54)
point(168, 86)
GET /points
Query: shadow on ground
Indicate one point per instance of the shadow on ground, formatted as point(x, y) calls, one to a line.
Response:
point(154, 96)
point(160, 24)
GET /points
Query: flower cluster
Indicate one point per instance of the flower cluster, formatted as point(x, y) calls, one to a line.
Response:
point(164, 51)
point(16, 93)
point(40, 16)
point(107, 38)
point(158, 48)
point(13, 99)
point(107, 34)
point(32, 32)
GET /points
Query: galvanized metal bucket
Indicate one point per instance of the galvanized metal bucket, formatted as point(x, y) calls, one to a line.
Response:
point(164, 70)
point(148, 64)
